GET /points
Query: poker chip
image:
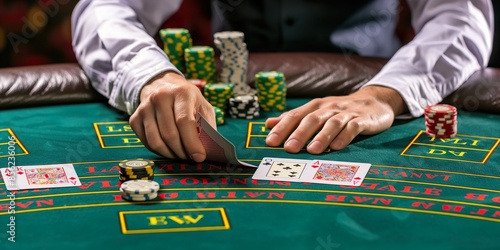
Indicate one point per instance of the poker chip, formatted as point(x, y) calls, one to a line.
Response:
point(234, 59)
point(200, 63)
point(219, 116)
point(175, 41)
point(139, 187)
point(218, 94)
point(136, 169)
point(198, 83)
point(245, 106)
point(441, 121)
point(271, 90)
point(143, 197)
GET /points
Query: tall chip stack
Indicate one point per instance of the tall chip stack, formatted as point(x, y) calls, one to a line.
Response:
point(271, 90)
point(200, 63)
point(175, 41)
point(234, 59)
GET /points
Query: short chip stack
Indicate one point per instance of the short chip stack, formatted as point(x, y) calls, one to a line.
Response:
point(271, 90)
point(139, 190)
point(245, 106)
point(136, 169)
point(219, 116)
point(441, 121)
point(200, 63)
point(175, 41)
point(218, 94)
point(234, 59)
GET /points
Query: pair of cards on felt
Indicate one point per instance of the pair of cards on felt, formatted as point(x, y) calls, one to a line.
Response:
point(312, 171)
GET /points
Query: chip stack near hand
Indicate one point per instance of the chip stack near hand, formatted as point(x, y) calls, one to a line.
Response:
point(244, 106)
point(441, 121)
point(234, 59)
point(175, 41)
point(136, 169)
point(139, 190)
point(271, 90)
point(218, 94)
point(200, 63)
point(219, 116)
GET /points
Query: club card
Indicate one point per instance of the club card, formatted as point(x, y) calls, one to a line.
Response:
point(218, 148)
point(280, 169)
point(41, 176)
point(336, 172)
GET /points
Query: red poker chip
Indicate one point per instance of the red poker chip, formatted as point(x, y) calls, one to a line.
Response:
point(199, 83)
point(440, 109)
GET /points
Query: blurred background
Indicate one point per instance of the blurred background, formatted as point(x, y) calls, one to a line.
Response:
point(36, 32)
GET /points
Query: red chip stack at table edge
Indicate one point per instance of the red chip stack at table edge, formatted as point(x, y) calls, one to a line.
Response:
point(441, 121)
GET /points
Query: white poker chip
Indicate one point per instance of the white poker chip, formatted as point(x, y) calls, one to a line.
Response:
point(143, 197)
point(140, 187)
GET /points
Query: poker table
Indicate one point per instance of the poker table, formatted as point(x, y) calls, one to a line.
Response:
point(420, 192)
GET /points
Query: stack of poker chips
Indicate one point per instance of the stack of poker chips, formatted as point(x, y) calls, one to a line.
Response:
point(200, 63)
point(234, 59)
point(139, 190)
point(218, 94)
point(136, 169)
point(441, 121)
point(271, 90)
point(245, 106)
point(175, 41)
point(219, 116)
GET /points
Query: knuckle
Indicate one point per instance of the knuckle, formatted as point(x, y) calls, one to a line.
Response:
point(313, 117)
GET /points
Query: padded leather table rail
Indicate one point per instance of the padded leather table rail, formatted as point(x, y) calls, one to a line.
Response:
point(307, 74)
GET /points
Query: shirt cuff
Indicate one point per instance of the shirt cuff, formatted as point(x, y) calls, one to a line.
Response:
point(147, 64)
point(415, 90)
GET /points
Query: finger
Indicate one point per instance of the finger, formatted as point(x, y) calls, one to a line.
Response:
point(271, 122)
point(151, 135)
point(168, 128)
point(305, 130)
point(353, 128)
point(330, 130)
point(186, 122)
point(284, 128)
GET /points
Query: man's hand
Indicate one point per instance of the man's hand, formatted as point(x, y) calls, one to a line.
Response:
point(368, 111)
point(165, 119)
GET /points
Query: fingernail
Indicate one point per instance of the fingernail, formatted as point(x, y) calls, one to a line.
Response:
point(314, 146)
point(272, 137)
point(292, 143)
point(197, 157)
point(337, 144)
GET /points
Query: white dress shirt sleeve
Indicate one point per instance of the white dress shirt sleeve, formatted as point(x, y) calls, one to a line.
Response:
point(113, 42)
point(453, 40)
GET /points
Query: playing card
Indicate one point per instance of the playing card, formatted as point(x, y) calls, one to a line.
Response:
point(336, 172)
point(280, 169)
point(218, 148)
point(41, 176)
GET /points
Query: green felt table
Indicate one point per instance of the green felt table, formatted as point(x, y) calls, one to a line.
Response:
point(420, 192)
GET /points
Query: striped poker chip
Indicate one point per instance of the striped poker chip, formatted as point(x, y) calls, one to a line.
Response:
point(139, 197)
point(441, 121)
point(139, 187)
point(246, 107)
point(219, 116)
point(218, 94)
point(200, 63)
point(271, 90)
point(234, 59)
point(175, 41)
